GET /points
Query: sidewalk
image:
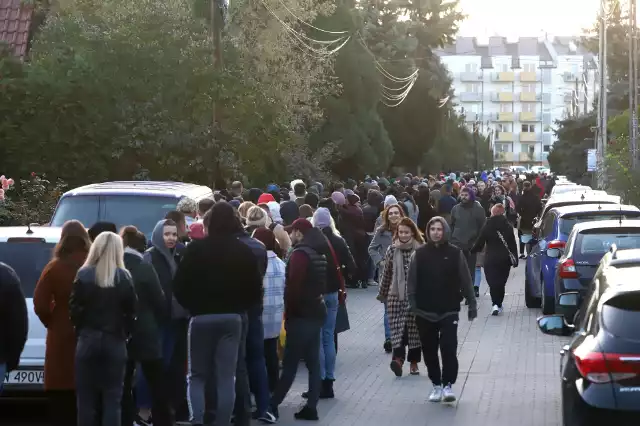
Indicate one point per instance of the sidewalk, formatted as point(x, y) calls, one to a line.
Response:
point(509, 372)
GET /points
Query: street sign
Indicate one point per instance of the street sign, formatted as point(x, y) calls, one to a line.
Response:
point(592, 160)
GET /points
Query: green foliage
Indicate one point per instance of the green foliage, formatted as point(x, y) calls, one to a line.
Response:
point(569, 154)
point(32, 201)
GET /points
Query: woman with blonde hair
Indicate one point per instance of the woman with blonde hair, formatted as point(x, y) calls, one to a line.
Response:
point(51, 305)
point(102, 308)
point(393, 291)
point(258, 217)
point(243, 210)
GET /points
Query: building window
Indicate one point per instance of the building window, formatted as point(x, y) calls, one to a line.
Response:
point(503, 127)
point(546, 148)
point(529, 107)
point(506, 107)
point(502, 67)
point(528, 128)
point(529, 67)
point(472, 87)
point(471, 68)
point(529, 87)
point(503, 147)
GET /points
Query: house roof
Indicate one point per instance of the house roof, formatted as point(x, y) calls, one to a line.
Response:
point(15, 21)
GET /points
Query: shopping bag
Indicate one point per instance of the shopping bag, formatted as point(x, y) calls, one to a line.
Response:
point(281, 341)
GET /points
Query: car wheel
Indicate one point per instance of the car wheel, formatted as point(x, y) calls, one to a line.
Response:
point(529, 300)
point(548, 302)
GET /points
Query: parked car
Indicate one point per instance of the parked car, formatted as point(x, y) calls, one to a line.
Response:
point(556, 227)
point(138, 203)
point(600, 367)
point(566, 187)
point(579, 261)
point(27, 251)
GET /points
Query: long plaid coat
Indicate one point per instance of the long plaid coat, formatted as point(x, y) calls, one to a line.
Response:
point(398, 310)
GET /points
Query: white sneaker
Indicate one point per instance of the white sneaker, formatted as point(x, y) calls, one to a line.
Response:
point(500, 310)
point(495, 310)
point(372, 283)
point(448, 395)
point(436, 394)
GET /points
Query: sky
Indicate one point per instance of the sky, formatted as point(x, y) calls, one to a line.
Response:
point(520, 18)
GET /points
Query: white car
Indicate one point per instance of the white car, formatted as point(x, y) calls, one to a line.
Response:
point(27, 251)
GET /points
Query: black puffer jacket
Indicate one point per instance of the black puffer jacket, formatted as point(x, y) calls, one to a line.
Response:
point(347, 264)
point(528, 208)
point(496, 251)
point(14, 321)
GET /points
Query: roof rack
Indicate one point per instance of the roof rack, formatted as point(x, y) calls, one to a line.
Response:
point(613, 250)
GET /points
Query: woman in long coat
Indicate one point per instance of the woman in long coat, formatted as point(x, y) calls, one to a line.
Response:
point(51, 304)
point(393, 291)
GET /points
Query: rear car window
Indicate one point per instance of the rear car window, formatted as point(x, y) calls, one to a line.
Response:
point(568, 222)
point(621, 316)
point(28, 259)
point(593, 245)
point(139, 210)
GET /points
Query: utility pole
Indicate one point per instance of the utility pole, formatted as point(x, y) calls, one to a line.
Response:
point(602, 110)
point(633, 85)
point(216, 24)
point(476, 126)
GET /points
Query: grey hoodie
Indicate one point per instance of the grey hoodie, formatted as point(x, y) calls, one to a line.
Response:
point(466, 284)
point(467, 219)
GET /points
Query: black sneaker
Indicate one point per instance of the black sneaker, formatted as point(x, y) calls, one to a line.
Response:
point(388, 347)
point(477, 291)
point(307, 413)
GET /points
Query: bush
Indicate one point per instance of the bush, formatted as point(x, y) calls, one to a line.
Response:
point(30, 201)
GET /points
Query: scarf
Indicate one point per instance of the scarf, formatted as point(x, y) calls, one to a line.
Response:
point(399, 279)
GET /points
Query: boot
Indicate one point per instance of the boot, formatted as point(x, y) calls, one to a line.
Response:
point(326, 392)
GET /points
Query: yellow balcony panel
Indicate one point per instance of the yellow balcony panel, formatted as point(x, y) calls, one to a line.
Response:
point(505, 137)
point(503, 156)
point(528, 97)
point(527, 137)
point(528, 76)
point(506, 76)
point(505, 116)
point(526, 156)
point(528, 116)
point(505, 97)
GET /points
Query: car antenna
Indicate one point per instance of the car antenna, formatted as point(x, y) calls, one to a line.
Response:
point(29, 231)
point(582, 196)
point(620, 216)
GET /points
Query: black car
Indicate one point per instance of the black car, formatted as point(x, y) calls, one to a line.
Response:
point(600, 368)
point(579, 260)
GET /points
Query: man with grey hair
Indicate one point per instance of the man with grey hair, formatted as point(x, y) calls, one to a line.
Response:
point(189, 208)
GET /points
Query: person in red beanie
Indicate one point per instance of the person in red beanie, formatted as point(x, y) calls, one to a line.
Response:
point(265, 198)
point(305, 313)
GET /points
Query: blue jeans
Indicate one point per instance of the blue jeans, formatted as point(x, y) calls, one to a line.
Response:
point(327, 343)
point(477, 279)
point(387, 327)
point(3, 371)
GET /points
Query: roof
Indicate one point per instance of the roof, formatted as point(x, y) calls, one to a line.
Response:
point(588, 207)
point(152, 188)
point(589, 195)
point(525, 46)
point(15, 24)
point(602, 224)
point(50, 234)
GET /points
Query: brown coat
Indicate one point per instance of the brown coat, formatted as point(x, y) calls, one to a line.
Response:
point(51, 304)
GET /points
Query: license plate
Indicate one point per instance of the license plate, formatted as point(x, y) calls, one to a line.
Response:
point(24, 377)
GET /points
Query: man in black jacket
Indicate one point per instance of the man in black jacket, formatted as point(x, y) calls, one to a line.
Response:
point(305, 312)
point(14, 321)
point(438, 275)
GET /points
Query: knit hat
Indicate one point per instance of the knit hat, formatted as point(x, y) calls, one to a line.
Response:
point(322, 218)
point(301, 224)
point(265, 198)
point(289, 212)
point(339, 198)
point(274, 208)
point(272, 187)
point(389, 201)
point(235, 204)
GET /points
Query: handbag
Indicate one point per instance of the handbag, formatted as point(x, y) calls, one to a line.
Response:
point(512, 258)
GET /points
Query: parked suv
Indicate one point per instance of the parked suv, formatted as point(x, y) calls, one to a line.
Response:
point(138, 203)
point(600, 368)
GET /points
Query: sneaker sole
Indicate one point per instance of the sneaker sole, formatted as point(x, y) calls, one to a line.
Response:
point(396, 368)
point(449, 400)
point(435, 400)
point(494, 313)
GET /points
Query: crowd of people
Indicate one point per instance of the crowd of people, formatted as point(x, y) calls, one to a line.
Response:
point(187, 326)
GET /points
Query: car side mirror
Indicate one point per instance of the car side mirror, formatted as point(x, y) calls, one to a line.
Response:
point(569, 299)
point(555, 325)
point(554, 253)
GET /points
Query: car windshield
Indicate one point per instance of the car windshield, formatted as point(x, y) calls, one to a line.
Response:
point(139, 210)
point(592, 246)
point(28, 259)
point(568, 222)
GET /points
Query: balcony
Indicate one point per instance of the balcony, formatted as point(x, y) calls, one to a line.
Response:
point(529, 76)
point(508, 76)
point(525, 157)
point(470, 97)
point(503, 156)
point(470, 76)
point(503, 116)
point(470, 116)
point(529, 137)
point(529, 116)
point(529, 97)
point(502, 97)
point(504, 137)
point(569, 77)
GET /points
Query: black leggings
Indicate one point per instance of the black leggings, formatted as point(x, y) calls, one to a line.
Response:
point(497, 276)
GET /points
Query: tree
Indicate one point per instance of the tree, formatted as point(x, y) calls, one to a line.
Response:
point(569, 154)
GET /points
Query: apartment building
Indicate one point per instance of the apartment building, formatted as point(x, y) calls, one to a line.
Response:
point(514, 90)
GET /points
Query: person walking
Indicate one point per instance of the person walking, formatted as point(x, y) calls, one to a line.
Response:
point(467, 219)
point(144, 347)
point(528, 208)
point(393, 292)
point(202, 286)
point(382, 240)
point(102, 307)
point(438, 276)
point(305, 313)
point(500, 255)
point(272, 304)
point(51, 305)
point(14, 321)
